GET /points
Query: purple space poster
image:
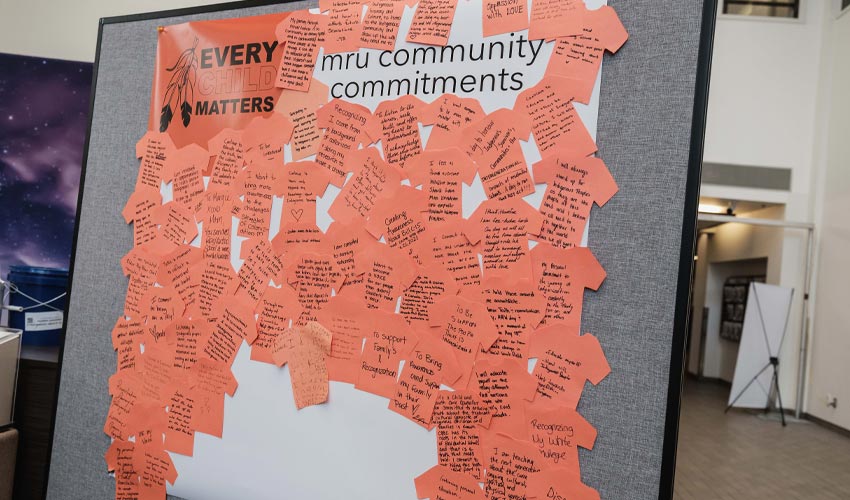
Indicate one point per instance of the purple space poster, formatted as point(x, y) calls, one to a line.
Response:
point(44, 106)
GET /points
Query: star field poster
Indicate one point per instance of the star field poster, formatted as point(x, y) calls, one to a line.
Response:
point(44, 106)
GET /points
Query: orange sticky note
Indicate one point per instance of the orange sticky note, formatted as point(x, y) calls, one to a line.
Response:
point(575, 184)
point(565, 361)
point(555, 122)
point(400, 220)
point(432, 22)
point(260, 266)
point(449, 114)
point(141, 266)
point(500, 16)
point(579, 56)
point(557, 433)
point(278, 307)
point(503, 227)
point(350, 243)
point(380, 25)
point(346, 126)
point(373, 180)
point(126, 337)
point(216, 219)
point(555, 18)
point(390, 341)
point(313, 276)
point(141, 209)
point(177, 227)
point(257, 184)
point(399, 132)
point(234, 323)
point(211, 381)
point(562, 275)
point(466, 327)
point(431, 364)
point(511, 465)
point(432, 286)
point(229, 153)
point(298, 238)
point(493, 143)
point(156, 372)
point(119, 459)
point(155, 150)
point(187, 337)
point(155, 468)
point(301, 183)
point(343, 26)
point(349, 323)
point(503, 384)
point(516, 308)
point(179, 434)
point(447, 245)
point(126, 391)
point(305, 349)
point(214, 278)
point(301, 33)
point(264, 138)
point(459, 416)
point(188, 165)
point(560, 483)
point(441, 173)
point(442, 483)
point(387, 272)
point(300, 108)
point(160, 307)
point(174, 270)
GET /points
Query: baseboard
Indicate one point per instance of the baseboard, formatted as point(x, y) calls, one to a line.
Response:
point(827, 425)
point(710, 380)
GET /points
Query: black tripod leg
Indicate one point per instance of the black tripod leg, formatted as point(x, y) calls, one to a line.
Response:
point(778, 395)
point(745, 388)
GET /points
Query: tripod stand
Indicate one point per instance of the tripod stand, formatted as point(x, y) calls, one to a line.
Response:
point(773, 361)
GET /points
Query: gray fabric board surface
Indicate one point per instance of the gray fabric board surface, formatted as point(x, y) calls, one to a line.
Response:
point(643, 136)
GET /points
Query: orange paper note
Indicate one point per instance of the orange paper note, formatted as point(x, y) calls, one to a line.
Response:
point(516, 307)
point(301, 184)
point(575, 184)
point(562, 275)
point(346, 126)
point(565, 361)
point(229, 153)
point(555, 18)
point(511, 465)
point(306, 349)
point(300, 108)
point(503, 227)
point(432, 22)
point(557, 433)
point(390, 341)
point(276, 310)
point(465, 327)
point(504, 385)
point(442, 483)
point(349, 323)
point(301, 33)
point(504, 16)
point(399, 132)
point(372, 181)
point(560, 483)
point(380, 25)
point(555, 122)
point(189, 164)
point(155, 150)
point(459, 417)
point(449, 114)
point(441, 173)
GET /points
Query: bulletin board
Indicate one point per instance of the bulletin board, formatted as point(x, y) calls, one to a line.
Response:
point(648, 124)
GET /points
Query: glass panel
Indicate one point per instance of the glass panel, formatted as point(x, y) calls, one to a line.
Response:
point(763, 10)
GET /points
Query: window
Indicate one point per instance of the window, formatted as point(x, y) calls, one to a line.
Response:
point(774, 8)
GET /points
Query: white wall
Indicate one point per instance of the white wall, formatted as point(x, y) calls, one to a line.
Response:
point(830, 343)
point(763, 102)
point(67, 29)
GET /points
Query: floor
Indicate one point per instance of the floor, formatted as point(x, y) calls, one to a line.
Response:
point(743, 455)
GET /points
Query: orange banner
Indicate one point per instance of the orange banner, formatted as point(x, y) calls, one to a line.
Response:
point(213, 75)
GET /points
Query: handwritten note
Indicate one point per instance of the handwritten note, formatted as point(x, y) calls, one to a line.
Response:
point(424, 292)
point(301, 184)
point(229, 154)
point(442, 483)
point(400, 220)
point(300, 108)
point(459, 416)
point(349, 323)
point(575, 184)
point(560, 483)
point(448, 246)
point(179, 434)
point(516, 308)
point(313, 276)
point(160, 307)
point(264, 138)
point(558, 432)
point(511, 465)
point(260, 266)
point(465, 327)
point(373, 180)
point(155, 468)
point(187, 186)
point(277, 309)
point(503, 227)
point(141, 210)
point(187, 337)
point(216, 218)
point(212, 380)
point(235, 322)
point(504, 16)
point(555, 122)
point(155, 150)
point(390, 341)
point(449, 114)
point(214, 278)
point(441, 173)
point(380, 25)
point(301, 33)
point(431, 364)
point(126, 337)
point(555, 18)
point(493, 143)
point(305, 349)
point(400, 128)
point(344, 28)
point(565, 361)
point(174, 270)
point(119, 459)
point(432, 22)
point(562, 275)
point(503, 385)
point(346, 125)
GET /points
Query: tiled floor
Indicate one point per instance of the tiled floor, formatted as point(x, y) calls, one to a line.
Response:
point(743, 455)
